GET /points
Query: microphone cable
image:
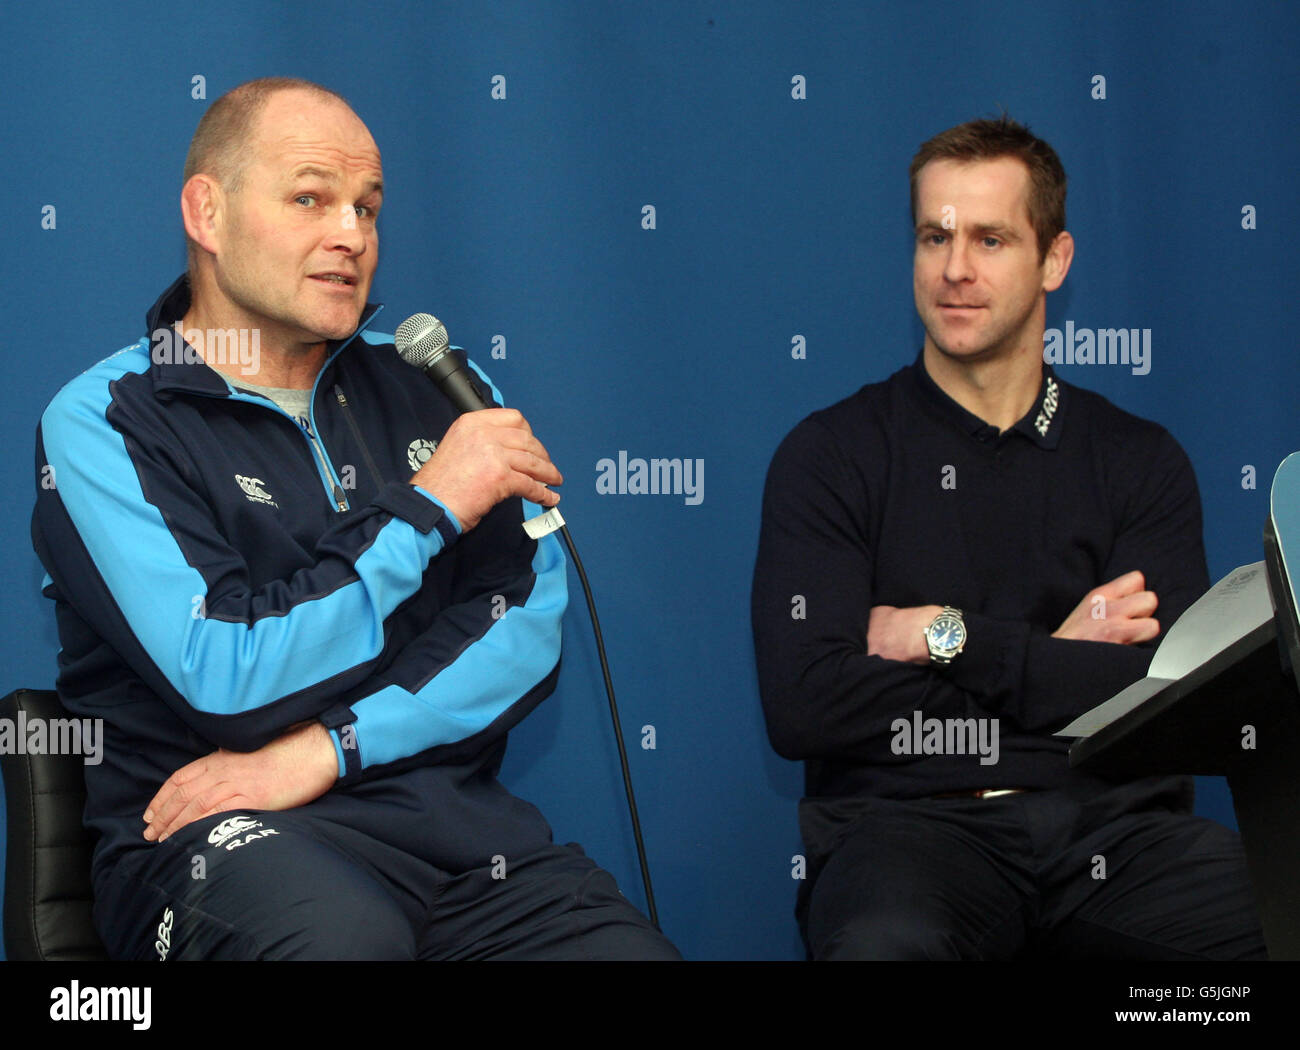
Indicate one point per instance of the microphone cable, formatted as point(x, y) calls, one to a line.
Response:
point(618, 732)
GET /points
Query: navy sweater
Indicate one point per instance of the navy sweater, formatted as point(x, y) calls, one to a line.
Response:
point(899, 496)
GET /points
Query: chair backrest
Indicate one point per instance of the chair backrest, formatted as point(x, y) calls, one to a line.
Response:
point(48, 897)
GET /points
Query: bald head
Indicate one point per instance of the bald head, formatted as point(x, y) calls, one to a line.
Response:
point(223, 143)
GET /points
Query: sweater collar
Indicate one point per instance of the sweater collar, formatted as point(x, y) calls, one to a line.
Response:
point(172, 372)
point(1042, 424)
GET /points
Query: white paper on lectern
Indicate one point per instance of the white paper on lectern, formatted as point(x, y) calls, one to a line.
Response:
point(1229, 610)
point(1236, 605)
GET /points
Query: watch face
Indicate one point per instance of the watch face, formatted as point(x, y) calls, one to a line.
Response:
point(947, 633)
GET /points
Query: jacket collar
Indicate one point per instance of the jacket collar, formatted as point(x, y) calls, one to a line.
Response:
point(170, 370)
point(1042, 424)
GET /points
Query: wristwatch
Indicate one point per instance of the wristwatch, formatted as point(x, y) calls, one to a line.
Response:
point(946, 636)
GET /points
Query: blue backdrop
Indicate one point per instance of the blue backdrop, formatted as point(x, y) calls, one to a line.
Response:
point(775, 216)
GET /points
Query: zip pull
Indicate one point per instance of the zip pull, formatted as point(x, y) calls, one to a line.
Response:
point(338, 393)
point(339, 498)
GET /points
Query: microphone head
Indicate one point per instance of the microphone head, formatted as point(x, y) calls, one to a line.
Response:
point(421, 339)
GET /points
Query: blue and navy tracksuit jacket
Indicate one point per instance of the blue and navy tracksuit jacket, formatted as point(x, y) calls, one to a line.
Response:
point(216, 582)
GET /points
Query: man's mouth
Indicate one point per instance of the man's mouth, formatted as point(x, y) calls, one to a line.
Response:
point(335, 278)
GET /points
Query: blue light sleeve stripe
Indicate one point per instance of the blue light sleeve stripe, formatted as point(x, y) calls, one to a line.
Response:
point(492, 673)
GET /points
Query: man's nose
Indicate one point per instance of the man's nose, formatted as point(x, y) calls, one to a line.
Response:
point(347, 234)
point(958, 266)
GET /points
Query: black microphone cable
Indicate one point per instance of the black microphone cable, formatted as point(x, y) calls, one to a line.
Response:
point(618, 733)
point(421, 341)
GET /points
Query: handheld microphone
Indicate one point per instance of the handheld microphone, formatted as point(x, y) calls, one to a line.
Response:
point(421, 341)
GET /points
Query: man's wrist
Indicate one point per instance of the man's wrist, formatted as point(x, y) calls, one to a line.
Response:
point(314, 747)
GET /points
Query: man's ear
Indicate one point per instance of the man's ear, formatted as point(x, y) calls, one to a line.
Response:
point(1057, 263)
point(203, 207)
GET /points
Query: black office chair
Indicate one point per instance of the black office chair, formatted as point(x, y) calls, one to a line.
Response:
point(47, 908)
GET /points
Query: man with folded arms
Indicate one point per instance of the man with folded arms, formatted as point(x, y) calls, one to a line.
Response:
point(953, 564)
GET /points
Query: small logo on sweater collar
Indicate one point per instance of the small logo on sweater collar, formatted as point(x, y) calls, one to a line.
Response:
point(1051, 398)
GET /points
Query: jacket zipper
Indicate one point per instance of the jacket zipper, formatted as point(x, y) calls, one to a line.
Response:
point(333, 490)
point(356, 433)
point(340, 500)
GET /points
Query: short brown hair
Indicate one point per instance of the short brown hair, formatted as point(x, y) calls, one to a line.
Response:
point(221, 142)
point(990, 139)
